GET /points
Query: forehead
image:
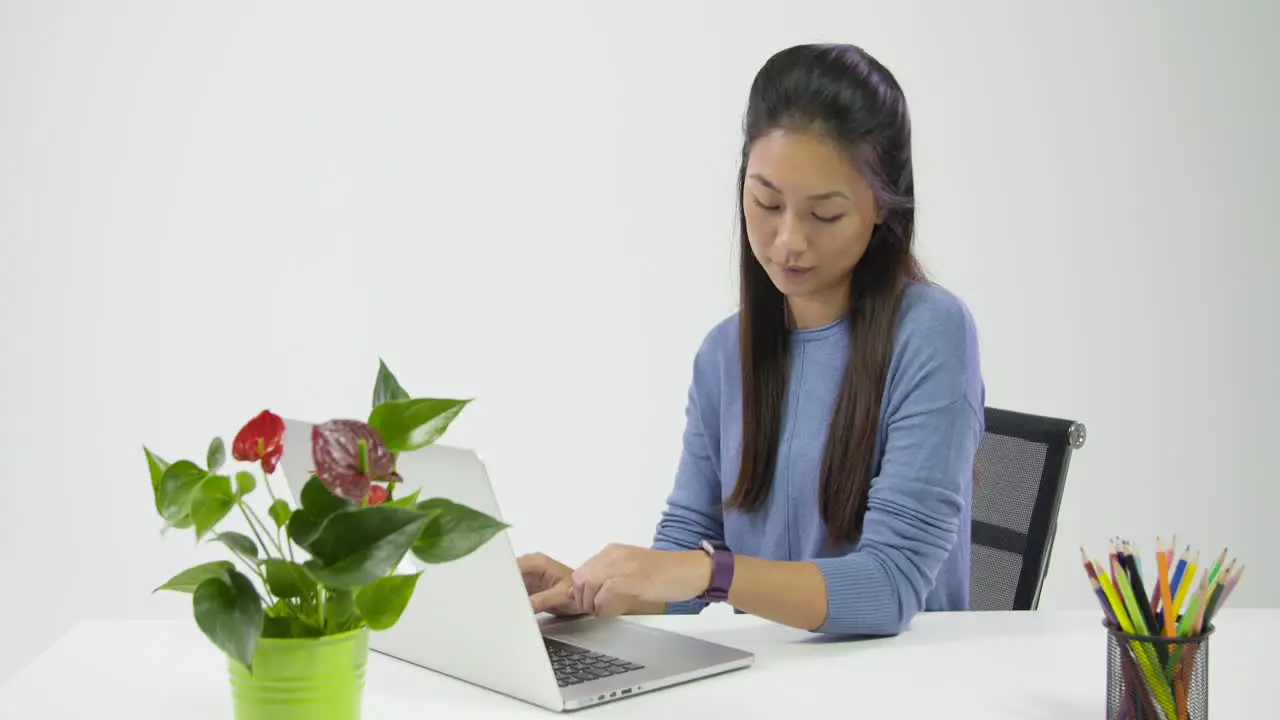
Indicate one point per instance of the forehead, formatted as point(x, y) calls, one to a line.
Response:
point(804, 163)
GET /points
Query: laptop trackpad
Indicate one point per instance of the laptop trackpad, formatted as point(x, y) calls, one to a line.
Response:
point(636, 643)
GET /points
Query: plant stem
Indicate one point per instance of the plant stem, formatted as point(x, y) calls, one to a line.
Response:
point(244, 510)
point(266, 589)
point(250, 512)
point(266, 480)
point(288, 543)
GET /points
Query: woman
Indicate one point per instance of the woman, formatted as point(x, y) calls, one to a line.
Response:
point(832, 423)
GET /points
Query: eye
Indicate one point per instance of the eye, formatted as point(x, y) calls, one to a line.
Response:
point(831, 219)
point(763, 206)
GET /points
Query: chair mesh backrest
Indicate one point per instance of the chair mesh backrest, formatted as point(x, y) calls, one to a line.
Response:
point(1021, 469)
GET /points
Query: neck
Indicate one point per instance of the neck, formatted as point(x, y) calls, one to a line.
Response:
point(818, 310)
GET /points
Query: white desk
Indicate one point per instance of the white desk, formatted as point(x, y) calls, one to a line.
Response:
point(1028, 666)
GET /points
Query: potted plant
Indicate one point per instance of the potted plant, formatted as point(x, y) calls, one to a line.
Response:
point(293, 608)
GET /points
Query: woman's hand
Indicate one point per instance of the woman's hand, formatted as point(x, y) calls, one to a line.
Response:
point(549, 584)
point(622, 577)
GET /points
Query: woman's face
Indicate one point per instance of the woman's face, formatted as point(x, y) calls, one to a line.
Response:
point(809, 216)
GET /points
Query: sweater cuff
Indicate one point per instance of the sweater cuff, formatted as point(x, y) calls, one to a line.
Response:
point(686, 607)
point(857, 600)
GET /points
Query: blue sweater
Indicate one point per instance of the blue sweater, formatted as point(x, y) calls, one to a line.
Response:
point(913, 554)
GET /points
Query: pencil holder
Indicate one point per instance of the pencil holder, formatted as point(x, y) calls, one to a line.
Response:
point(1157, 678)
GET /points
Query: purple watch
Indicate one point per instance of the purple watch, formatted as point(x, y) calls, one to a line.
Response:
point(721, 572)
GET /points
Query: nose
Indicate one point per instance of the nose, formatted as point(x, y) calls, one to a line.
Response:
point(791, 236)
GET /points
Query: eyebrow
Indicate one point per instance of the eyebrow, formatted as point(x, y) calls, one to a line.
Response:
point(819, 196)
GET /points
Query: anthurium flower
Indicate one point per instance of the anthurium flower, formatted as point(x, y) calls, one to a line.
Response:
point(349, 456)
point(260, 440)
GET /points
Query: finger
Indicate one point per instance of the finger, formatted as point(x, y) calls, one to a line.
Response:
point(611, 600)
point(532, 563)
point(584, 591)
point(550, 599)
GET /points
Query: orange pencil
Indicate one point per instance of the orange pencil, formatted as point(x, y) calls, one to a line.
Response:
point(1162, 566)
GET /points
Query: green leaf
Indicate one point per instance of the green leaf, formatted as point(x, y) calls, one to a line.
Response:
point(188, 580)
point(177, 485)
point(355, 548)
point(340, 611)
point(381, 602)
point(283, 621)
point(210, 502)
point(241, 544)
point(412, 424)
point(217, 455)
point(386, 387)
point(317, 505)
point(229, 612)
point(288, 580)
point(280, 512)
point(454, 531)
point(245, 483)
point(156, 465)
point(288, 626)
point(408, 501)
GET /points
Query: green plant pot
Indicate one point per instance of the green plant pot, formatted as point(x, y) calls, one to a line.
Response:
point(303, 679)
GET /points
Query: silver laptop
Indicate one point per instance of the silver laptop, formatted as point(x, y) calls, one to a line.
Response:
point(471, 619)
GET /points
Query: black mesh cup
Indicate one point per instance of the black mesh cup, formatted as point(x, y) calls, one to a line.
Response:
point(1157, 678)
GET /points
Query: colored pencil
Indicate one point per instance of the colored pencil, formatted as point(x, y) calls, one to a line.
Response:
point(1179, 570)
point(1149, 626)
point(1183, 600)
point(1235, 579)
point(1217, 566)
point(1092, 572)
point(1113, 599)
point(1184, 584)
point(1166, 597)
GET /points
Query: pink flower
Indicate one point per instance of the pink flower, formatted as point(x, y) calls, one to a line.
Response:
point(349, 455)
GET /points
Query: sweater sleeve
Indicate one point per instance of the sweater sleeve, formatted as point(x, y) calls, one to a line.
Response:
point(693, 509)
point(934, 422)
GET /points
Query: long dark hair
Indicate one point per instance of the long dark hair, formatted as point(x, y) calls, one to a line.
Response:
point(845, 94)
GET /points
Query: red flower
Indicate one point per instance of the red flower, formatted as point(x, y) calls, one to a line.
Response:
point(261, 439)
point(377, 495)
point(335, 448)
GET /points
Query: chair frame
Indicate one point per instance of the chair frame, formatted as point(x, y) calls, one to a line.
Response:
point(1060, 438)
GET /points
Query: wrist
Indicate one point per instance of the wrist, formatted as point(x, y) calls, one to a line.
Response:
point(704, 567)
point(695, 569)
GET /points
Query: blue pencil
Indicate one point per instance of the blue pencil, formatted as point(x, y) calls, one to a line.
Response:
point(1177, 573)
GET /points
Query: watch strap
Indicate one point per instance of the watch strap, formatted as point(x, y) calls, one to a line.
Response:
point(721, 572)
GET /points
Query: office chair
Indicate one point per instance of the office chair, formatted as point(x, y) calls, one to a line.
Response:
point(1021, 470)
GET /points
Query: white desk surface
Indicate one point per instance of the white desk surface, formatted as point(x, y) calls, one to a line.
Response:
point(1028, 666)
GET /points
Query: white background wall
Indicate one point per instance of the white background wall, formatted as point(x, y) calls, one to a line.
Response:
point(211, 208)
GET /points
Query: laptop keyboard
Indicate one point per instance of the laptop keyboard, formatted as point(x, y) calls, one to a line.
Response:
point(575, 665)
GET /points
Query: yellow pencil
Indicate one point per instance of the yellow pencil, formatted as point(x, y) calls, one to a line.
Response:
point(1144, 653)
point(1117, 607)
point(1184, 585)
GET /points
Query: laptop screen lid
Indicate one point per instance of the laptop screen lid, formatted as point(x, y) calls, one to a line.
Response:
point(469, 618)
